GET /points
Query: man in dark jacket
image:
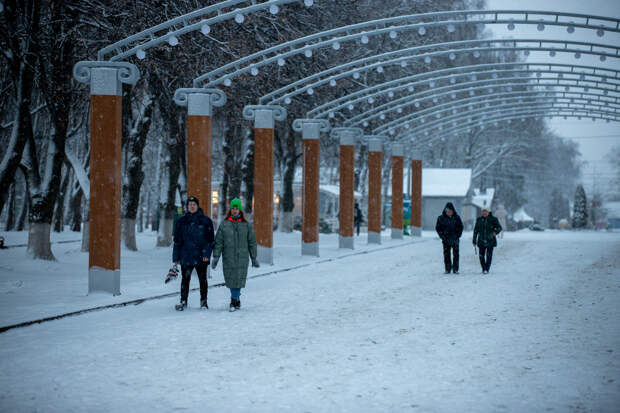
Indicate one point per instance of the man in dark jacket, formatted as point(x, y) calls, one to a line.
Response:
point(193, 242)
point(358, 218)
point(485, 237)
point(450, 228)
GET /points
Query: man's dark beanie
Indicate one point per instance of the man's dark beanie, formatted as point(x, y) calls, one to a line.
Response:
point(193, 199)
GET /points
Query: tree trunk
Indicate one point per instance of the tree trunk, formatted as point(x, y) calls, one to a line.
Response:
point(39, 246)
point(59, 210)
point(23, 213)
point(10, 213)
point(134, 175)
point(86, 229)
point(76, 209)
point(288, 197)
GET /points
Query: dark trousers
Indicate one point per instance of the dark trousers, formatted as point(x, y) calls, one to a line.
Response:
point(201, 271)
point(357, 226)
point(486, 255)
point(451, 264)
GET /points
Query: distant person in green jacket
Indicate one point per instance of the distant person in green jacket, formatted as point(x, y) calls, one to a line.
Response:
point(236, 242)
point(485, 237)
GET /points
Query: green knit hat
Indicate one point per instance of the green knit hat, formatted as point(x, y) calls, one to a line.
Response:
point(235, 203)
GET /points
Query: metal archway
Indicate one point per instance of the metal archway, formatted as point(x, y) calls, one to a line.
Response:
point(392, 26)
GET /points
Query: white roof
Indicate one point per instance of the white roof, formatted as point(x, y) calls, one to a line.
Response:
point(522, 216)
point(335, 190)
point(483, 200)
point(445, 182)
point(612, 209)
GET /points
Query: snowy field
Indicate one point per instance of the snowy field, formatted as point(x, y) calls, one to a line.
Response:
point(380, 331)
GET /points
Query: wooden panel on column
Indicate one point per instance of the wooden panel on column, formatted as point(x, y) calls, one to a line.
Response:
point(416, 197)
point(199, 149)
point(347, 197)
point(263, 187)
point(105, 182)
point(375, 156)
point(397, 191)
point(310, 202)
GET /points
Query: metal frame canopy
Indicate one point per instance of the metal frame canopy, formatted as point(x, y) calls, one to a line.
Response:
point(588, 76)
point(392, 26)
point(198, 20)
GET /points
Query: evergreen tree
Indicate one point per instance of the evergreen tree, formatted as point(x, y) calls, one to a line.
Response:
point(580, 209)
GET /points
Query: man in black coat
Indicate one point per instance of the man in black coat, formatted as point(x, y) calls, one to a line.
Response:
point(485, 237)
point(450, 228)
point(358, 218)
point(193, 243)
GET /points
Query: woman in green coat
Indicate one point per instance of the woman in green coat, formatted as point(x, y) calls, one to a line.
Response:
point(236, 242)
point(485, 237)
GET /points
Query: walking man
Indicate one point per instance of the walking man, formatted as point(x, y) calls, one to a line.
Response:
point(358, 218)
point(449, 227)
point(193, 242)
point(485, 237)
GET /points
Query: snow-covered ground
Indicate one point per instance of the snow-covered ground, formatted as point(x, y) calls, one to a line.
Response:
point(380, 331)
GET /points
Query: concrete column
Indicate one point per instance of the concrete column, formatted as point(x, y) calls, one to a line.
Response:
point(375, 156)
point(397, 190)
point(416, 195)
point(104, 256)
point(263, 116)
point(311, 133)
point(199, 104)
point(347, 197)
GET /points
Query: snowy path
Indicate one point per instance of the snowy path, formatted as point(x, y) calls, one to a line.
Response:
point(379, 332)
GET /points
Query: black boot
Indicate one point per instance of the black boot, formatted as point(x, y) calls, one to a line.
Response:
point(203, 304)
point(181, 306)
point(237, 304)
point(232, 306)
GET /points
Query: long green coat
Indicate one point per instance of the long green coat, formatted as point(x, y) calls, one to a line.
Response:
point(236, 242)
point(484, 229)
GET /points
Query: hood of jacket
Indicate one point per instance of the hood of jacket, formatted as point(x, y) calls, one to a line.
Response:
point(449, 205)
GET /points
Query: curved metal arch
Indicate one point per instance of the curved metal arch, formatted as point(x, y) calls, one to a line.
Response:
point(383, 26)
point(521, 97)
point(509, 118)
point(184, 24)
point(425, 78)
point(480, 86)
point(403, 56)
point(584, 109)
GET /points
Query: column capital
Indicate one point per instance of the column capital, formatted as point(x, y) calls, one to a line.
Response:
point(347, 136)
point(199, 101)
point(301, 125)
point(375, 145)
point(415, 155)
point(398, 149)
point(264, 115)
point(127, 72)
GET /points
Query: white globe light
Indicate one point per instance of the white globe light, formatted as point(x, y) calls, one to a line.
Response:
point(308, 3)
point(403, 64)
point(173, 41)
point(603, 58)
point(417, 104)
point(427, 59)
point(452, 80)
point(227, 82)
point(336, 46)
point(435, 100)
point(331, 115)
point(205, 29)
point(350, 107)
point(140, 54)
point(451, 28)
point(570, 29)
point(431, 83)
point(371, 100)
point(452, 56)
point(308, 53)
point(476, 54)
point(382, 116)
point(356, 75)
point(399, 110)
point(281, 61)
point(552, 53)
point(410, 88)
point(540, 27)
point(332, 82)
point(511, 26)
point(310, 91)
point(600, 32)
point(422, 31)
point(287, 100)
point(393, 34)
point(379, 69)
point(577, 55)
point(274, 9)
point(392, 132)
point(453, 95)
point(364, 39)
point(390, 94)
point(239, 18)
point(254, 71)
point(365, 123)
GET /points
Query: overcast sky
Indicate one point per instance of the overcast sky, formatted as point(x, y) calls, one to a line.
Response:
point(595, 139)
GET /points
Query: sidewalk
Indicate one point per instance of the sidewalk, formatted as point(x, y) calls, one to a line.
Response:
point(34, 289)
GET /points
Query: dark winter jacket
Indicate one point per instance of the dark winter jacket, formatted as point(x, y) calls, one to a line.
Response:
point(484, 229)
point(236, 243)
point(193, 238)
point(449, 228)
point(358, 217)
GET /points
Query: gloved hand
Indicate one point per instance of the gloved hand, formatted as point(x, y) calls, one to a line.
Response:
point(255, 263)
point(214, 262)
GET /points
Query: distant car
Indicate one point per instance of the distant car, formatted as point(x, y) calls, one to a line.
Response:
point(536, 227)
